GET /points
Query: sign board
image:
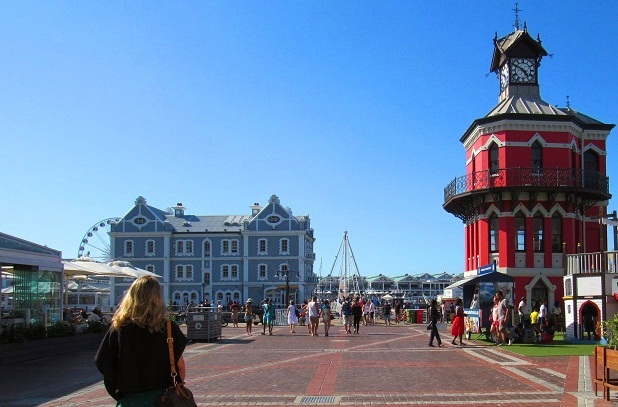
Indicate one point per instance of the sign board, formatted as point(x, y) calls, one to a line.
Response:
point(487, 269)
point(471, 320)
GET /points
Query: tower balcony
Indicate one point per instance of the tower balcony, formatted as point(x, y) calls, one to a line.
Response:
point(464, 195)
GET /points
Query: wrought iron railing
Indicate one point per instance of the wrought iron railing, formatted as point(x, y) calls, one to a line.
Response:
point(527, 177)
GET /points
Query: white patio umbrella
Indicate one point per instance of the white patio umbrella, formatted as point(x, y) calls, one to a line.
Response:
point(129, 270)
point(85, 266)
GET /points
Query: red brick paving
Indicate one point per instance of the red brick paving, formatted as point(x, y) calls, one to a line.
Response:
point(378, 367)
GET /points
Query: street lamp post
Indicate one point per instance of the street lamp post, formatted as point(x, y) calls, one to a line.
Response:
point(285, 272)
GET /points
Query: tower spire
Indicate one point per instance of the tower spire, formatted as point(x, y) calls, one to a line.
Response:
point(517, 10)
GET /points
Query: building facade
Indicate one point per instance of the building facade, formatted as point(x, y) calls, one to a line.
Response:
point(220, 258)
point(535, 180)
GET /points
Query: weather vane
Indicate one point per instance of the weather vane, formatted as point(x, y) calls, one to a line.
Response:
point(517, 10)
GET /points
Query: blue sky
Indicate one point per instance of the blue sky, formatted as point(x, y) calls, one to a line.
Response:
point(350, 112)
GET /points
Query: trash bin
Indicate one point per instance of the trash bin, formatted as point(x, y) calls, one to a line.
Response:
point(203, 324)
point(419, 316)
point(410, 316)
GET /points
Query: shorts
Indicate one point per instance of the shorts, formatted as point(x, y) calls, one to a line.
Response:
point(248, 318)
point(314, 320)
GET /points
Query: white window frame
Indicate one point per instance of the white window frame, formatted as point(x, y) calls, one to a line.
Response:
point(259, 271)
point(184, 272)
point(287, 243)
point(184, 247)
point(259, 247)
point(230, 247)
point(207, 253)
point(154, 247)
point(129, 244)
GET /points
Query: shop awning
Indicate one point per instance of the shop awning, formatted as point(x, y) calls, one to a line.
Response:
point(489, 277)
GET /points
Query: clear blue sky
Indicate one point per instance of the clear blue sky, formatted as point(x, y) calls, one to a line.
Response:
point(350, 112)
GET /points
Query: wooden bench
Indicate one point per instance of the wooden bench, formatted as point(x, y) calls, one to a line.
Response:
point(605, 370)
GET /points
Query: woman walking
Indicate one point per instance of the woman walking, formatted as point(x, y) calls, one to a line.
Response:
point(292, 317)
point(434, 316)
point(249, 316)
point(325, 315)
point(134, 355)
point(357, 313)
point(457, 330)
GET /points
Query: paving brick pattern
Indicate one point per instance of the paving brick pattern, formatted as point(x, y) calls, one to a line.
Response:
point(380, 366)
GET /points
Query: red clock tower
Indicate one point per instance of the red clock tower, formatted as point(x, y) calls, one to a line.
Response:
point(535, 180)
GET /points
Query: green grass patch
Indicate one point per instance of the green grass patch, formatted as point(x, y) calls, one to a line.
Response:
point(557, 348)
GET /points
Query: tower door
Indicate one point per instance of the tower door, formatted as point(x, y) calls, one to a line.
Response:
point(538, 293)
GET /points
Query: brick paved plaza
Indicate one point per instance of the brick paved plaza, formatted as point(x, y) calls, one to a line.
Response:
point(380, 366)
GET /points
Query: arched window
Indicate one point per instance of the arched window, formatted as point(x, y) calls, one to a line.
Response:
point(591, 168)
point(556, 233)
point(520, 232)
point(537, 232)
point(537, 157)
point(494, 160)
point(494, 235)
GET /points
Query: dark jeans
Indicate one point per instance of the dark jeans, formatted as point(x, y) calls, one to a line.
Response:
point(357, 319)
point(434, 334)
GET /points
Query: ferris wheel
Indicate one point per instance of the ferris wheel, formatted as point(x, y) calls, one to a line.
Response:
point(95, 243)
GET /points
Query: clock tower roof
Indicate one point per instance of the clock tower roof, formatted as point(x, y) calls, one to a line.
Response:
point(518, 44)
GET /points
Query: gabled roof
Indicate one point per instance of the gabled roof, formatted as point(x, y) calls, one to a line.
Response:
point(379, 277)
point(221, 223)
point(516, 44)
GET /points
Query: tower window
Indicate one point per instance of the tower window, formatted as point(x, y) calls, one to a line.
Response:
point(520, 232)
point(537, 157)
point(494, 161)
point(556, 233)
point(494, 233)
point(537, 237)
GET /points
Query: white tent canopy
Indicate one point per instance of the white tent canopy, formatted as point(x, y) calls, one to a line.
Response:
point(85, 266)
point(130, 270)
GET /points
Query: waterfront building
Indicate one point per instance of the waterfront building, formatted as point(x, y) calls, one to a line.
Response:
point(535, 183)
point(413, 289)
point(35, 273)
point(218, 257)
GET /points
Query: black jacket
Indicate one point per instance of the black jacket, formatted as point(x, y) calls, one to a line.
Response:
point(132, 360)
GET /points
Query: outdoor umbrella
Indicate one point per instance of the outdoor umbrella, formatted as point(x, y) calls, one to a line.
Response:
point(85, 266)
point(129, 270)
point(387, 297)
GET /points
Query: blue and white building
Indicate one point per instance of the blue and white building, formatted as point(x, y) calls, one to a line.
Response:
point(220, 258)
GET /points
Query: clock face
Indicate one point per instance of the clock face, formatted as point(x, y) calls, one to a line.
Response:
point(504, 76)
point(523, 70)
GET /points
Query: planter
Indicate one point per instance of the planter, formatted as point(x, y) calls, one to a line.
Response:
point(11, 353)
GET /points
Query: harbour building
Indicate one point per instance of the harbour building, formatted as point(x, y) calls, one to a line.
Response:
point(267, 253)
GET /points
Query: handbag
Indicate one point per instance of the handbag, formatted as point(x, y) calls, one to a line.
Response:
point(430, 325)
point(177, 395)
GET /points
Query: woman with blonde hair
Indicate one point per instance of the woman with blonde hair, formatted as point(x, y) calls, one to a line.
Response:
point(133, 356)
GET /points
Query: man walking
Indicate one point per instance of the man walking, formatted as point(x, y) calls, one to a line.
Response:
point(314, 315)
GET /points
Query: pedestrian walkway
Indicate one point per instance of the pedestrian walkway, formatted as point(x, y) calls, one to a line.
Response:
point(380, 366)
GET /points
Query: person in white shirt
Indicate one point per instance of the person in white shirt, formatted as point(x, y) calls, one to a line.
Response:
point(543, 313)
point(521, 309)
point(314, 315)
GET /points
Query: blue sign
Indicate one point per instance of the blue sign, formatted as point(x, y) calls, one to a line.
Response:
point(487, 269)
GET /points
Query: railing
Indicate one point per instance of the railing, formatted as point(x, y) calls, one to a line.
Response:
point(601, 262)
point(528, 177)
